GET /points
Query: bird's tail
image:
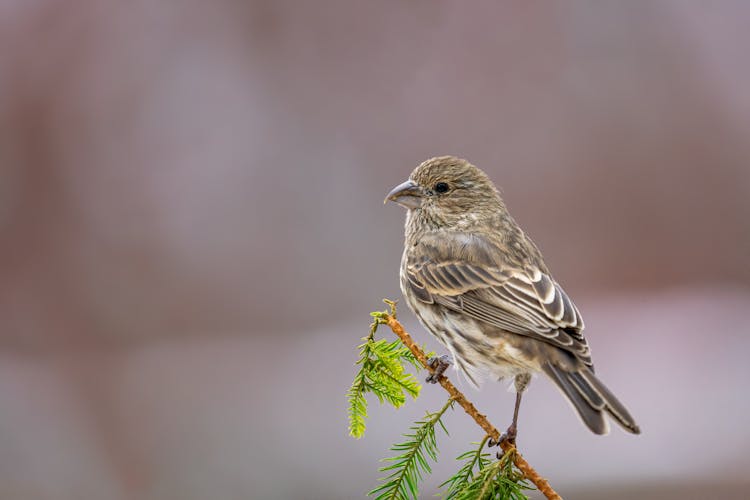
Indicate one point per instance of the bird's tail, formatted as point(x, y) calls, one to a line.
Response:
point(591, 399)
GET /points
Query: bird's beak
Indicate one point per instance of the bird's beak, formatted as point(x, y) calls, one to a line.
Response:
point(408, 195)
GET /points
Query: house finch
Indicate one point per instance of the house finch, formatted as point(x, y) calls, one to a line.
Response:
point(480, 285)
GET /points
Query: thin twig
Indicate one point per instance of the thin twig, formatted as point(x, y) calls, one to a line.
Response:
point(528, 471)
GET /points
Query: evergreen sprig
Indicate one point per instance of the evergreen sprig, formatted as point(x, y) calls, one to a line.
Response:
point(381, 372)
point(498, 480)
point(475, 460)
point(411, 463)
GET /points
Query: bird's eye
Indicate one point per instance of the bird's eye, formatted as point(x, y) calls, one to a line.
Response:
point(441, 187)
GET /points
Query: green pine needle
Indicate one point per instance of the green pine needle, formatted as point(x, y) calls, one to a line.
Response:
point(411, 463)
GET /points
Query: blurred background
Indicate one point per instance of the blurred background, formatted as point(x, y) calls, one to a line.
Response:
point(192, 234)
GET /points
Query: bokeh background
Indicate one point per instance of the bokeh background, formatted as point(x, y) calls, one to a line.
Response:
point(192, 234)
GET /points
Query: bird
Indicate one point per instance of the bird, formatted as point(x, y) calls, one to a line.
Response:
point(477, 283)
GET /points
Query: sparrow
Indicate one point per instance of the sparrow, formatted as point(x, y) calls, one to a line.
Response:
point(479, 285)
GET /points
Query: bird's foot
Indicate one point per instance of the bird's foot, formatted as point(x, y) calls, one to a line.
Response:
point(509, 436)
point(438, 364)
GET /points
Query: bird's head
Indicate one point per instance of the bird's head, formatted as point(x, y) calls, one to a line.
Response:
point(450, 191)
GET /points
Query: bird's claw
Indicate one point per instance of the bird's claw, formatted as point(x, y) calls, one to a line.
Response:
point(508, 436)
point(438, 364)
point(503, 438)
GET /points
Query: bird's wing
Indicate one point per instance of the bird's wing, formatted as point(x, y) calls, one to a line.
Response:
point(467, 273)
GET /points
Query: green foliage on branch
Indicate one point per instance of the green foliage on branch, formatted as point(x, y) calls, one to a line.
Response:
point(411, 463)
point(475, 460)
point(498, 480)
point(381, 372)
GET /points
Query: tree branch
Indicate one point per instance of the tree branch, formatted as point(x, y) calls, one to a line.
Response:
point(528, 471)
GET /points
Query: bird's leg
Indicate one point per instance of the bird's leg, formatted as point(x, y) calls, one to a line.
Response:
point(438, 364)
point(512, 431)
point(510, 434)
point(522, 380)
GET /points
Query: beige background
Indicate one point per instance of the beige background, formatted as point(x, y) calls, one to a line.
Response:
point(192, 233)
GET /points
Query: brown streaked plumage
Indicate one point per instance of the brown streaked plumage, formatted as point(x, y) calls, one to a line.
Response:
point(480, 285)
